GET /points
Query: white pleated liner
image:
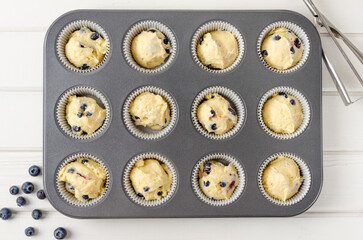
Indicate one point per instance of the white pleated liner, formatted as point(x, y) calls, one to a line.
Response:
point(136, 30)
point(64, 37)
point(129, 189)
point(62, 105)
point(304, 172)
point(236, 103)
point(68, 196)
point(299, 32)
point(215, 26)
point(219, 157)
point(304, 105)
point(145, 132)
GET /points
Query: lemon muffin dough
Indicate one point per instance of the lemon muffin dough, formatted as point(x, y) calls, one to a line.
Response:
point(84, 115)
point(218, 49)
point(151, 179)
point(282, 49)
point(216, 114)
point(281, 178)
point(85, 49)
point(84, 177)
point(282, 113)
point(150, 110)
point(218, 181)
point(150, 48)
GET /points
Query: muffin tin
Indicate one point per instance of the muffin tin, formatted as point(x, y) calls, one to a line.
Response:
point(184, 146)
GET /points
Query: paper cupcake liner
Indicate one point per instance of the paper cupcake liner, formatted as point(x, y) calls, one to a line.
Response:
point(299, 32)
point(81, 91)
point(64, 37)
point(214, 26)
point(129, 189)
point(223, 158)
point(304, 172)
point(236, 102)
point(145, 132)
point(136, 30)
point(304, 105)
point(69, 197)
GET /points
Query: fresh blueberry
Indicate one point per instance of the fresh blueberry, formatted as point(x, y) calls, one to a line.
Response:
point(20, 201)
point(41, 194)
point(85, 197)
point(140, 195)
point(95, 36)
point(60, 233)
point(37, 214)
point(27, 187)
point(222, 184)
point(14, 190)
point(166, 121)
point(166, 40)
point(152, 30)
point(292, 50)
point(207, 167)
point(80, 114)
point(83, 106)
point(292, 101)
point(29, 231)
point(207, 183)
point(167, 50)
point(297, 43)
point(146, 189)
point(5, 213)
point(88, 114)
point(264, 53)
point(34, 171)
point(277, 37)
point(213, 126)
point(84, 161)
point(84, 67)
point(232, 111)
point(213, 112)
point(160, 193)
point(71, 170)
point(76, 128)
point(283, 94)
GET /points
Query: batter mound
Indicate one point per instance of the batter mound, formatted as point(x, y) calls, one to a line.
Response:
point(84, 177)
point(282, 49)
point(150, 48)
point(85, 49)
point(151, 179)
point(281, 178)
point(84, 115)
point(216, 114)
point(150, 110)
point(282, 113)
point(218, 181)
point(218, 49)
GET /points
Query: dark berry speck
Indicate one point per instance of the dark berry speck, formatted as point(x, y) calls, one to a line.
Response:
point(37, 214)
point(277, 37)
point(60, 233)
point(167, 50)
point(83, 106)
point(85, 197)
point(297, 43)
point(152, 30)
point(88, 114)
point(76, 128)
point(213, 126)
point(136, 117)
point(29, 231)
point(70, 170)
point(14, 190)
point(283, 94)
point(207, 167)
point(80, 114)
point(160, 193)
point(222, 184)
point(20, 201)
point(84, 67)
point(292, 50)
point(34, 171)
point(213, 112)
point(232, 111)
point(292, 101)
point(146, 189)
point(5, 213)
point(207, 183)
point(84, 161)
point(27, 187)
point(166, 40)
point(41, 194)
point(95, 36)
point(264, 53)
point(140, 195)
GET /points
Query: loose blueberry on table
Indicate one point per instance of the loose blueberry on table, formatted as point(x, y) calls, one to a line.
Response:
point(60, 233)
point(5, 213)
point(29, 231)
point(37, 214)
point(34, 171)
point(14, 190)
point(41, 194)
point(20, 201)
point(27, 187)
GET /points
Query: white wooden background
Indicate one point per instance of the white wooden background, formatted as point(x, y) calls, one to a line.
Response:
point(338, 214)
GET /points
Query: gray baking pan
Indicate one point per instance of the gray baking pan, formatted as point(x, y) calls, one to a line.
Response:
point(184, 146)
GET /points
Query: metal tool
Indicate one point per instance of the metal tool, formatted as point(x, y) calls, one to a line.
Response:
point(321, 21)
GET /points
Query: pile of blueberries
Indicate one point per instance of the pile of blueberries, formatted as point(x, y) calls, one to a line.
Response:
point(27, 188)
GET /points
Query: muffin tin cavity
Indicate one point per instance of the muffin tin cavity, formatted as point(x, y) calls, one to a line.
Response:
point(305, 108)
point(145, 132)
point(300, 33)
point(82, 91)
point(63, 38)
point(224, 159)
point(236, 102)
point(69, 197)
point(144, 26)
point(304, 172)
point(127, 185)
point(215, 26)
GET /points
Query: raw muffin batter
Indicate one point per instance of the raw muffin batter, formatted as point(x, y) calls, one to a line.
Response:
point(84, 115)
point(218, 49)
point(85, 49)
point(282, 49)
point(84, 177)
point(281, 178)
point(150, 48)
point(151, 179)
point(282, 113)
point(216, 114)
point(218, 181)
point(150, 110)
